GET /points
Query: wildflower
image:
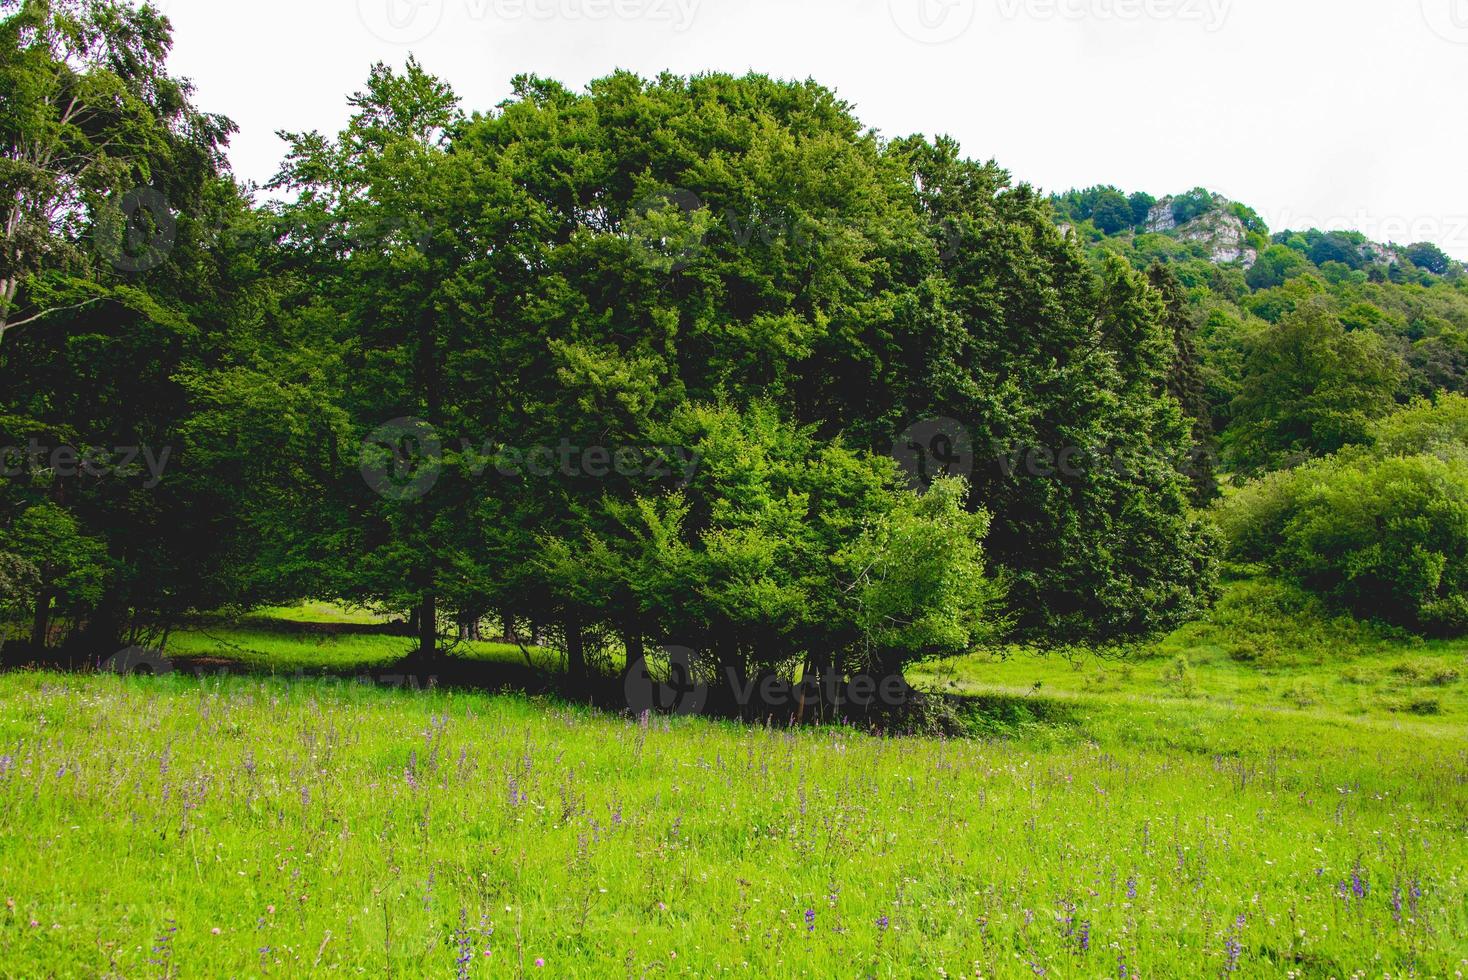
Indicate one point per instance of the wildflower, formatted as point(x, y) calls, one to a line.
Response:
point(810, 920)
point(1232, 949)
point(540, 961)
point(1131, 887)
point(466, 946)
point(883, 922)
point(215, 931)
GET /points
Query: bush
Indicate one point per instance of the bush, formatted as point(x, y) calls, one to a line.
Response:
point(1386, 538)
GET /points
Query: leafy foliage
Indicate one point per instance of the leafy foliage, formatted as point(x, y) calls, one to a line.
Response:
point(1386, 538)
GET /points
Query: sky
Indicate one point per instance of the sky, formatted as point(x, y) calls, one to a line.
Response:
point(1318, 113)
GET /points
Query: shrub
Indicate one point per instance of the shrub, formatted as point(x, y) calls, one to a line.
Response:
point(1386, 538)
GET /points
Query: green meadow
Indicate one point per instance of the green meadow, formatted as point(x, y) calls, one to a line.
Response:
point(1230, 802)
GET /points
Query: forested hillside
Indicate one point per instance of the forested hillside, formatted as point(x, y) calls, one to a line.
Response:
point(1380, 323)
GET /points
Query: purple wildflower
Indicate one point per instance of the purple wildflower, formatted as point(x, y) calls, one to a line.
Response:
point(466, 946)
point(1232, 949)
point(810, 920)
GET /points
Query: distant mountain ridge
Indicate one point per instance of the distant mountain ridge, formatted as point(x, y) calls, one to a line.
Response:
point(1210, 226)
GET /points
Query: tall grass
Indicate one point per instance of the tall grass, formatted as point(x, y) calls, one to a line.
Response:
point(177, 827)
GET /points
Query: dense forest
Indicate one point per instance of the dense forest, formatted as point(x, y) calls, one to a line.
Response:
point(686, 359)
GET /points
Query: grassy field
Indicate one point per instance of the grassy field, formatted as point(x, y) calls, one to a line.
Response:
point(1291, 801)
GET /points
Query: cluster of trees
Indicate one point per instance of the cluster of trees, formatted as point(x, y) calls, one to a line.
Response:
point(729, 270)
point(1332, 372)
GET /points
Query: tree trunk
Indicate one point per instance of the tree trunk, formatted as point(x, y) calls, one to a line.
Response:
point(575, 649)
point(41, 625)
point(103, 634)
point(807, 671)
point(427, 614)
point(636, 650)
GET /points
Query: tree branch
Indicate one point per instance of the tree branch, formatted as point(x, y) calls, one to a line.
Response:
point(4, 327)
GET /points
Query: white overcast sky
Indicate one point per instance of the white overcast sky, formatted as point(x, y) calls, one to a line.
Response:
point(1329, 113)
